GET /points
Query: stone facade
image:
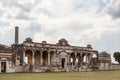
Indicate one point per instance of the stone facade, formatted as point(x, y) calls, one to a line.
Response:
point(32, 56)
point(60, 56)
point(115, 66)
point(5, 59)
point(104, 61)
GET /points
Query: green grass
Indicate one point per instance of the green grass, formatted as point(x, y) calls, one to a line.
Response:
point(94, 75)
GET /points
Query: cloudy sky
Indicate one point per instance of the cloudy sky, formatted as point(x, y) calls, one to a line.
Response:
point(81, 22)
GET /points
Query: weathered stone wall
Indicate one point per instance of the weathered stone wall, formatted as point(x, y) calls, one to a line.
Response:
point(9, 67)
point(115, 66)
point(104, 66)
point(19, 69)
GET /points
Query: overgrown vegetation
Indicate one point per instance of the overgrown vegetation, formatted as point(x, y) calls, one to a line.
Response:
point(117, 56)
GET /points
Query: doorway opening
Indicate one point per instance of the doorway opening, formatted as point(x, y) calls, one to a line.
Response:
point(3, 66)
point(63, 62)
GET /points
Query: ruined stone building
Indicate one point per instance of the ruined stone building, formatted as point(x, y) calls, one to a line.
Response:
point(32, 56)
point(5, 59)
point(104, 61)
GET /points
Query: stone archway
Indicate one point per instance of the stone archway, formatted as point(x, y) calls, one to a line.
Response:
point(89, 57)
point(78, 57)
point(37, 57)
point(28, 57)
point(17, 57)
point(63, 57)
point(94, 56)
point(84, 56)
point(45, 58)
point(94, 59)
point(73, 58)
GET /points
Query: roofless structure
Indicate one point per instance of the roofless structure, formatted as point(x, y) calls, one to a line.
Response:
point(59, 56)
point(30, 56)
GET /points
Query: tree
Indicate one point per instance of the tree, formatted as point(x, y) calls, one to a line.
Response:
point(117, 56)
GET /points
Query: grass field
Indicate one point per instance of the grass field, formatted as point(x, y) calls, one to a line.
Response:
point(95, 75)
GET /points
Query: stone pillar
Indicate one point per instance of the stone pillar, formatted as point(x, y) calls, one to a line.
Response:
point(54, 60)
point(68, 58)
point(33, 60)
point(81, 58)
point(7, 66)
point(86, 58)
point(90, 56)
point(23, 57)
point(75, 59)
point(48, 58)
point(41, 58)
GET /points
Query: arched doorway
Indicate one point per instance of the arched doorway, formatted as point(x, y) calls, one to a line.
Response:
point(3, 66)
point(28, 57)
point(63, 57)
point(94, 56)
point(73, 58)
point(84, 57)
point(78, 58)
point(17, 61)
point(37, 57)
point(52, 57)
point(94, 59)
point(45, 58)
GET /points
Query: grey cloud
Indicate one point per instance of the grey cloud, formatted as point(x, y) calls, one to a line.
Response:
point(1, 13)
point(108, 41)
point(24, 16)
point(46, 12)
point(26, 7)
point(35, 27)
point(85, 5)
point(113, 9)
point(14, 3)
point(30, 31)
point(7, 38)
point(79, 26)
point(50, 32)
point(7, 3)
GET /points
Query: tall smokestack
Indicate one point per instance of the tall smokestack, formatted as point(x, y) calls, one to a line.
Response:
point(16, 34)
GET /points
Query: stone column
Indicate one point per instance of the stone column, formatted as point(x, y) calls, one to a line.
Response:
point(33, 60)
point(7, 66)
point(89, 60)
point(86, 58)
point(41, 58)
point(48, 58)
point(81, 59)
point(23, 57)
point(68, 58)
point(54, 60)
point(75, 59)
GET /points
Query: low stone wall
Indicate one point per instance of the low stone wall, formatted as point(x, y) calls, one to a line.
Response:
point(115, 66)
point(19, 69)
point(104, 66)
point(34, 68)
